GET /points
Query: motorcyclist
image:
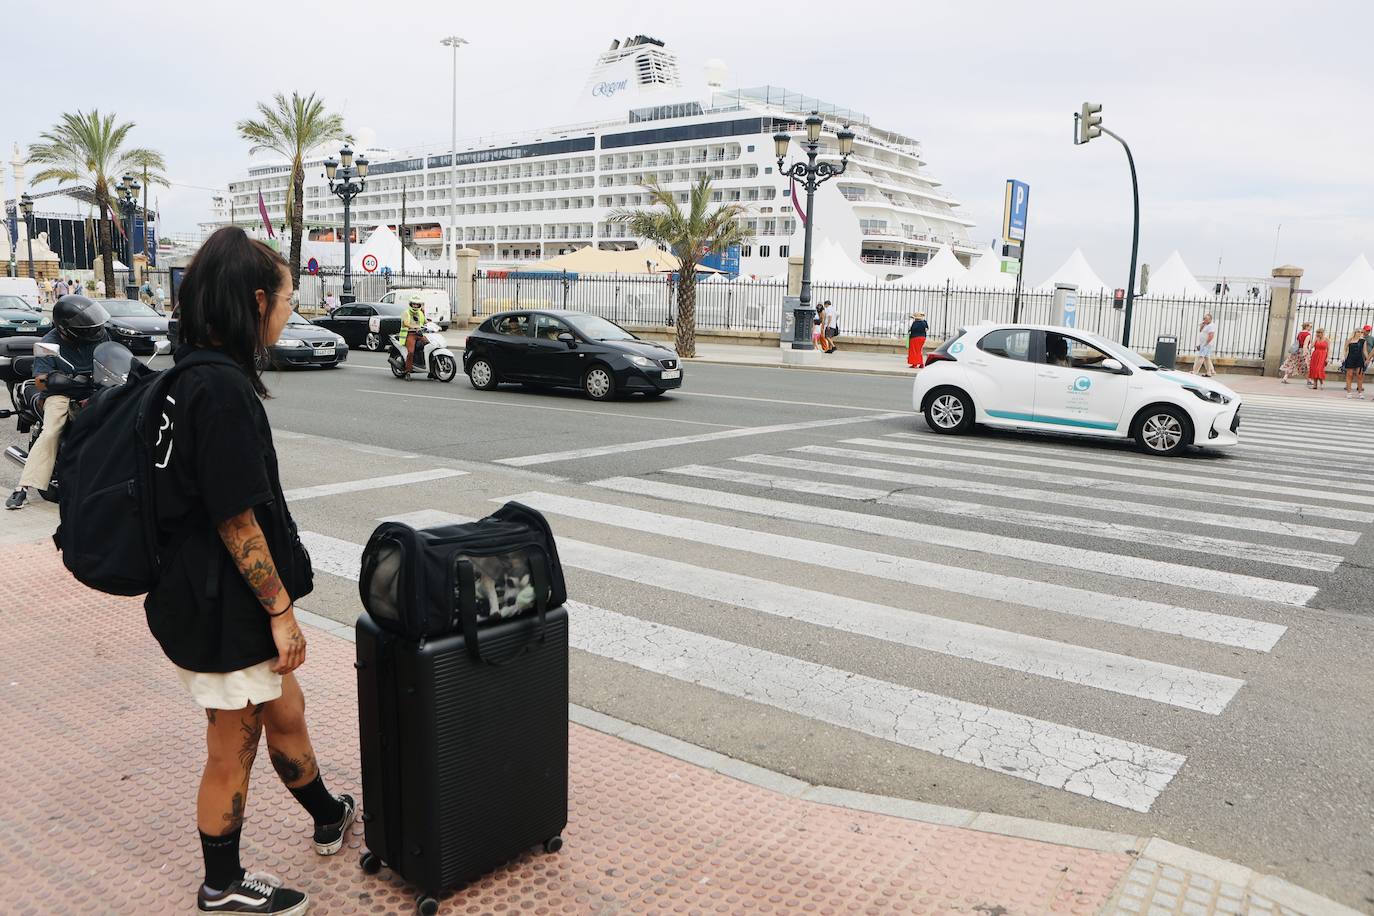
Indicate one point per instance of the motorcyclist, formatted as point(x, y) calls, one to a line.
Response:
point(78, 327)
point(412, 331)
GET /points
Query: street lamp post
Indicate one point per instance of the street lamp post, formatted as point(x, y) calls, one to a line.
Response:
point(26, 207)
point(127, 192)
point(454, 42)
point(812, 174)
point(346, 181)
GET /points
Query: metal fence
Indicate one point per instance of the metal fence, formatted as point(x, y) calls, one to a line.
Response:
point(1338, 318)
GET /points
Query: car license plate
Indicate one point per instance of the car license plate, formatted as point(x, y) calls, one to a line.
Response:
point(325, 348)
point(28, 327)
point(672, 373)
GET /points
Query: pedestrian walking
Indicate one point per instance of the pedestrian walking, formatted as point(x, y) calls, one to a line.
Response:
point(1206, 346)
point(1321, 352)
point(161, 295)
point(830, 326)
point(1295, 364)
point(233, 565)
point(916, 341)
point(1354, 364)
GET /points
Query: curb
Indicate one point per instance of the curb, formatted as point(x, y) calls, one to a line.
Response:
point(1283, 893)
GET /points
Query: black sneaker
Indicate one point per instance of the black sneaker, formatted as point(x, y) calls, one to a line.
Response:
point(17, 498)
point(258, 893)
point(329, 838)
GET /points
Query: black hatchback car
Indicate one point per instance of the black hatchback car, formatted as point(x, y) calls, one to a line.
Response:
point(365, 325)
point(137, 326)
point(568, 349)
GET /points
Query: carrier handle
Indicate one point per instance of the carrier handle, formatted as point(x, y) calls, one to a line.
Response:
point(467, 612)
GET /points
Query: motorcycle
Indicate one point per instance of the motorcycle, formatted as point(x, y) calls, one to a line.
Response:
point(437, 360)
point(111, 365)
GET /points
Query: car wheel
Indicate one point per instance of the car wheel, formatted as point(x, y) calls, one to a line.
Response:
point(599, 383)
point(445, 368)
point(372, 342)
point(482, 375)
point(1162, 430)
point(949, 411)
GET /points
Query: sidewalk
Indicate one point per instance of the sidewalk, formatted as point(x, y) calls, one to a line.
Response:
point(105, 750)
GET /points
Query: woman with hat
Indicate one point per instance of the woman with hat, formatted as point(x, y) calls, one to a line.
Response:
point(916, 341)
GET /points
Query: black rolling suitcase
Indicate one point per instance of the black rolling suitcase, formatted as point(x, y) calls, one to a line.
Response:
point(464, 734)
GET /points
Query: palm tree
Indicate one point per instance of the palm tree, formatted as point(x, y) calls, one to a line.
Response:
point(150, 178)
point(292, 128)
point(88, 148)
point(690, 235)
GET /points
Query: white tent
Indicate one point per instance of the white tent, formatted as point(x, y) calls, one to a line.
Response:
point(385, 246)
point(986, 272)
point(1077, 271)
point(1356, 284)
point(830, 264)
point(1175, 279)
point(939, 270)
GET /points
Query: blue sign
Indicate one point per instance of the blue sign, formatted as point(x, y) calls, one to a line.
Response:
point(726, 262)
point(386, 271)
point(1082, 383)
point(1015, 210)
point(1070, 316)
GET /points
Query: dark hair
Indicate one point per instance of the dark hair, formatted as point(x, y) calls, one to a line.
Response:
point(217, 301)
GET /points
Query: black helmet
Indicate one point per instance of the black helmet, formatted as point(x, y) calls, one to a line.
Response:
point(79, 318)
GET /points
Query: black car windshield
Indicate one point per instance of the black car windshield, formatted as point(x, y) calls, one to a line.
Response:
point(296, 321)
point(14, 302)
point(593, 327)
point(128, 308)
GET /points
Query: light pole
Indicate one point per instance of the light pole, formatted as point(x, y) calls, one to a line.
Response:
point(813, 175)
point(346, 181)
point(454, 42)
point(1088, 122)
point(127, 191)
point(26, 207)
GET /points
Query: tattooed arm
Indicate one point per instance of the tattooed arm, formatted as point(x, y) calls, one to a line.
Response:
point(243, 537)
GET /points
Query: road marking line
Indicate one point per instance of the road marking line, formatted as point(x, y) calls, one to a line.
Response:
point(738, 397)
point(599, 451)
point(1149, 680)
point(371, 483)
point(1109, 769)
point(1075, 497)
point(511, 402)
point(995, 544)
point(1068, 524)
point(1280, 445)
point(343, 443)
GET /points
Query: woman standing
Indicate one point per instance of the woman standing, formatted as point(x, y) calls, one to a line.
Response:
point(1354, 363)
point(916, 341)
point(1321, 350)
point(1298, 357)
point(232, 566)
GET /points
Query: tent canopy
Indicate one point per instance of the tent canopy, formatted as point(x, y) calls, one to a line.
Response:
point(1355, 284)
point(939, 270)
point(1076, 271)
point(592, 260)
point(986, 272)
point(830, 264)
point(1175, 279)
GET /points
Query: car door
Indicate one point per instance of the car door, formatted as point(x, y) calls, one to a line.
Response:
point(1002, 375)
point(548, 359)
point(507, 345)
point(1074, 390)
point(340, 324)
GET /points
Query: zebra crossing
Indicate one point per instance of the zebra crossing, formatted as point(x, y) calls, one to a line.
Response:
point(1128, 583)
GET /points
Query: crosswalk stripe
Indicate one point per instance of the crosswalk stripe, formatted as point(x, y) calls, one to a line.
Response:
point(1108, 769)
point(995, 544)
point(1112, 770)
point(1305, 445)
point(1127, 507)
point(1046, 658)
point(1090, 527)
point(1218, 474)
point(620, 448)
point(1358, 432)
point(371, 483)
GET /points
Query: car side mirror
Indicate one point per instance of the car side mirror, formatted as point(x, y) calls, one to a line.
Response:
point(567, 338)
point(1112, 365)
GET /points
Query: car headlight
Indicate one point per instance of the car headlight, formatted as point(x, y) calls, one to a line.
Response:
point(289, 343)
point(8, 325)
point(127, 332)
point(641, 361)
point(1211, 397)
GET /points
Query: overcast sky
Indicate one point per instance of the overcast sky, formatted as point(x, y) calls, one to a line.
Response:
point(1242, 116)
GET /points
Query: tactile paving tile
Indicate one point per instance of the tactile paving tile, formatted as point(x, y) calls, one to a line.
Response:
point(104, 751)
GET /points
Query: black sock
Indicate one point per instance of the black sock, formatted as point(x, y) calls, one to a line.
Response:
point(221, 853)
point(315, 798)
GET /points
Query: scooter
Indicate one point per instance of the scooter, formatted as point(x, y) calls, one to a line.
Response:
point(437, 360)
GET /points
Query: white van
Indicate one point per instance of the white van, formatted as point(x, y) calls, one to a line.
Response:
point(438, 308)
point(25, 288)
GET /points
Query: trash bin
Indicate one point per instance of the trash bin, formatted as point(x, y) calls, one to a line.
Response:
point(789, 304)
point(1166, 351)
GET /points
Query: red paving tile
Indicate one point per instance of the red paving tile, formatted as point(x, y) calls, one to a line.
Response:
point(105, 749)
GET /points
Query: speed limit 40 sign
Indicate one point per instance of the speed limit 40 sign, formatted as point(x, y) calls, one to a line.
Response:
point(369, 263)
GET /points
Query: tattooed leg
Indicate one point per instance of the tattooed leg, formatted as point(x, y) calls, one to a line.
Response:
point(288, 739)
point(231, 738)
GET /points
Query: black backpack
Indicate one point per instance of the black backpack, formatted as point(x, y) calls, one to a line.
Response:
point(428, 582)
point(108, 533)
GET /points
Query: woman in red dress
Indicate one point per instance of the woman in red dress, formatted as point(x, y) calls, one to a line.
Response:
point(1316, 370)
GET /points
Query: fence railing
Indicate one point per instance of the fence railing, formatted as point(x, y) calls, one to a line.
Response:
point(1337, 318)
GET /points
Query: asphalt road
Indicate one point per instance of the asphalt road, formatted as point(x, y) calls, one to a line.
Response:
point(787, 567)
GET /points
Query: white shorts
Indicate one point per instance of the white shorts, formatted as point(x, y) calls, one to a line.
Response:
point(233, 689)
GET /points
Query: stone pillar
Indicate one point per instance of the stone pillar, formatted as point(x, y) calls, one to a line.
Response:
point(1282, 317)
point(464, 302)
point(794, 275)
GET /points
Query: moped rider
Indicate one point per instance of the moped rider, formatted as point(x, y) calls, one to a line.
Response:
point(412, 331)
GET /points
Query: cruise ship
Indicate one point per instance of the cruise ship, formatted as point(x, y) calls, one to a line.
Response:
point(521, 198)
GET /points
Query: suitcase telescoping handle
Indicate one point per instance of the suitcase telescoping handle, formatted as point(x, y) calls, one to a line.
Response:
point(467, 612)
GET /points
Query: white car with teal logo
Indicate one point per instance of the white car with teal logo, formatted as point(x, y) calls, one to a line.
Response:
point(1063, 380)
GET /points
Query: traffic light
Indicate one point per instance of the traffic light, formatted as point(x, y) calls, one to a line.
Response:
point(1089, 122)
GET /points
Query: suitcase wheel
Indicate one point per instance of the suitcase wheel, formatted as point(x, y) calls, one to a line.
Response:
point(426, 906)
point(370, 863)
point(553, 844)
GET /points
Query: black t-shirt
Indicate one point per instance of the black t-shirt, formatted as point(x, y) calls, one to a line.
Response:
point(918, 328)
point(213, 459)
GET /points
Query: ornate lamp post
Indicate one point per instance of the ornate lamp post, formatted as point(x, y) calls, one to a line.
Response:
point(26, 207)
point(346, 181)
point(812, 174)
point(127, 193)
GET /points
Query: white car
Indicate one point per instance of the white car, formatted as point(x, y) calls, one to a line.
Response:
point(1059, 379)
